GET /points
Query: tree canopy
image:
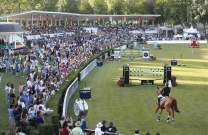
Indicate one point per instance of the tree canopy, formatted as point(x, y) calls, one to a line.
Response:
point(185, 12)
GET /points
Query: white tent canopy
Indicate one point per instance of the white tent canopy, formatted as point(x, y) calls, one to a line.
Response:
point(189, 31)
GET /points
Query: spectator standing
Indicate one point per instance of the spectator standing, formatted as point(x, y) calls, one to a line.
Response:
point(65, 129)
point(98, 129)
point(16, 111)
point(77, 130)
point(7, 89)
point(104, 128)
point(7, 63)
point(11, 119)
point(111, 128)
point(21, 123)
point(38, 119)
point(19, 131)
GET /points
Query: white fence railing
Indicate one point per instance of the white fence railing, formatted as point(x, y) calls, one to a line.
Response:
point(85, 71)
point(69, 92)
point(175, 41)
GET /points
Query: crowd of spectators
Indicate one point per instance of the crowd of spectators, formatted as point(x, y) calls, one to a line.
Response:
point(47, 66)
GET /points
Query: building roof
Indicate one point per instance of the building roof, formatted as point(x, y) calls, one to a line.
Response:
point(63, 15)
point(11, 28)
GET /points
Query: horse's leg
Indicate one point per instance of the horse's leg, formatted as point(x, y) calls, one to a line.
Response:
point(169, 113)
point(156, 112)
point(172, 116)
point(158, 117)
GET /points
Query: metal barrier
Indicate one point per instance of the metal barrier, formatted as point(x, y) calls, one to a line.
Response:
point(69, 92)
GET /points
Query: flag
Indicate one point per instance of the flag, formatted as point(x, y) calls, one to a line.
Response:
point(153, 18)
point(86, 18)
point(47, 18)
point(139, 18)
point(110, 18)
point(40, 18)
point(124, 18)
point(97, 18)
point(54, 17)
point(70, 18)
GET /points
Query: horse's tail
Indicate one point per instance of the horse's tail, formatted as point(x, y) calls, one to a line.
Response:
point(175, 106)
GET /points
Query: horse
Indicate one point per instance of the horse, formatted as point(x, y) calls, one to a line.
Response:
point(167, 103)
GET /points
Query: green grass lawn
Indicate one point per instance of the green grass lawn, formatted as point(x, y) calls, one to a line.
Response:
point(133, 107)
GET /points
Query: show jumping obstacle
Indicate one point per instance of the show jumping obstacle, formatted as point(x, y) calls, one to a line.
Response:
point(127, 72)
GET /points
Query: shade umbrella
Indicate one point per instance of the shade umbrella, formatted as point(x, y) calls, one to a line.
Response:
point(190, 35)
point(178, 36)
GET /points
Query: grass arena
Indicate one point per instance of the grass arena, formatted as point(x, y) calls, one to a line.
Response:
point(133, 107)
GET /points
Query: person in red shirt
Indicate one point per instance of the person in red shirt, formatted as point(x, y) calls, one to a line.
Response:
point(65, 129)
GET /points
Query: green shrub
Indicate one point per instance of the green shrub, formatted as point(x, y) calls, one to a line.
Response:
point(56, 128)
point(29, 129)
point(55, 118)
point(34, 132)
point(46, 129)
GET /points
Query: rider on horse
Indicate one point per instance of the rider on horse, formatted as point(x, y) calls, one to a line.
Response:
point(164, 93)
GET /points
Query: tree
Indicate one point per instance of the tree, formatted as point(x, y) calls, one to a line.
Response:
point(136, 7)
point(150, 6)
point(117, 7)
point(100, 7)
point(68, 6)
point(201, 12)
point(85, 7)
point(175, 11)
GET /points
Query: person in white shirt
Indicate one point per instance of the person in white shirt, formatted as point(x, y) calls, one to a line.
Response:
point(31, 45)
point(31, 112)
point(29, 84)
point(19, 131)
point(98, 129)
